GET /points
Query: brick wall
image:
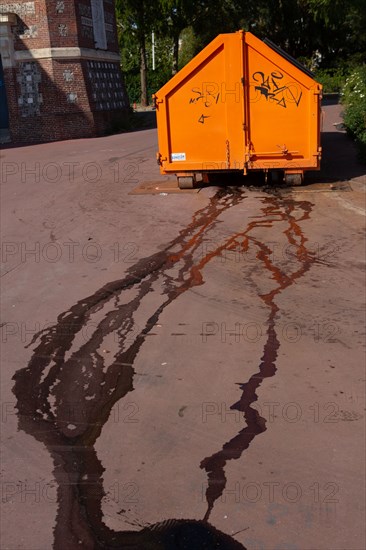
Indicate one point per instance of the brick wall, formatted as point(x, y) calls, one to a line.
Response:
point(62, 23)
point(74, 90)
point(31, 30)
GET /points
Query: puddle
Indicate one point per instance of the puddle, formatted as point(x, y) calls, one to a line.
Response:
point(59, 374)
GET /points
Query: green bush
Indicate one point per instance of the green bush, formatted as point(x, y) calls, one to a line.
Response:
point(332, 80)
point(155, 80)
point(132, 83)
point(354, 100)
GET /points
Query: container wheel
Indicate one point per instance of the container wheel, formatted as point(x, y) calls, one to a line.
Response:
point(186, 182)
point(294, 179)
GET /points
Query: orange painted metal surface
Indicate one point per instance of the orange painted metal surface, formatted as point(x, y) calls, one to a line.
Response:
point(240, 104)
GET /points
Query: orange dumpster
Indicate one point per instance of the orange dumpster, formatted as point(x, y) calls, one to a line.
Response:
point(240, 105)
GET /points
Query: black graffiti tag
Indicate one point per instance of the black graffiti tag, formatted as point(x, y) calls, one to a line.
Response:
point(270, 87)
point(204, 97)
point(202, 118)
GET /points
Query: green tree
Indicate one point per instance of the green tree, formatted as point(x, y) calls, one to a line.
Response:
point(343, 23)
point(215, 17)
point(335, 28)
point(176, 15)
point(135, 18)
point(188, 46)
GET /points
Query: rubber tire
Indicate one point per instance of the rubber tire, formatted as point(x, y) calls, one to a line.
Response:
point(294, 180)
point(186, 182)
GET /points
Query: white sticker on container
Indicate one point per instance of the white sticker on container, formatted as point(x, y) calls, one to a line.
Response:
point(178, 156)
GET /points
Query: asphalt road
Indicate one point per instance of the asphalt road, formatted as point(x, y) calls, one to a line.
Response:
point(180, 370)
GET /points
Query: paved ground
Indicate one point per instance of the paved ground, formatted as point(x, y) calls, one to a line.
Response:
point(180, 370)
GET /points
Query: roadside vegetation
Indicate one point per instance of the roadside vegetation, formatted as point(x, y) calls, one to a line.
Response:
point(332, 80)
point(354, 100)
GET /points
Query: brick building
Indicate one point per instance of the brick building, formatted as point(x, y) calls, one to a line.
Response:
point(60, 74)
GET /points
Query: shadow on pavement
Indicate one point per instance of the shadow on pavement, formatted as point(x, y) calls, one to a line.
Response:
point(330, 99)
point(144, 120)
point(339, 164)
point(340, 159)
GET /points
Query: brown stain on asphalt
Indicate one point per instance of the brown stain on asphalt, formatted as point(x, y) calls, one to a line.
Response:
point(215, 464)
point(70, 434)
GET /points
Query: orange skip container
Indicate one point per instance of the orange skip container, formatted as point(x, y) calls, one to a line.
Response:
point(240, 105)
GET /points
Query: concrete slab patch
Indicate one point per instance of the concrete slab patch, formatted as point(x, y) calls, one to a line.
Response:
point(320, 187)
point(158, 187)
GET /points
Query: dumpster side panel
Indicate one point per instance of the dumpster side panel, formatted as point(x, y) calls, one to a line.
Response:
point(200, 111)
point(283, 107)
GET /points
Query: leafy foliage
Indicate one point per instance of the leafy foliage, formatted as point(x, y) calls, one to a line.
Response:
point(134, 18)
point(354, 100)
point(332, 32)
point(332, 80)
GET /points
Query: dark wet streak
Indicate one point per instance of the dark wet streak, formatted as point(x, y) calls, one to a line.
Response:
point(70, 434)
point(76, 378)
point(256, 424)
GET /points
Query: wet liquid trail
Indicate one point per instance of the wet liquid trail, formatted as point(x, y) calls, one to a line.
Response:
point(256, 424)
point(58, 376)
